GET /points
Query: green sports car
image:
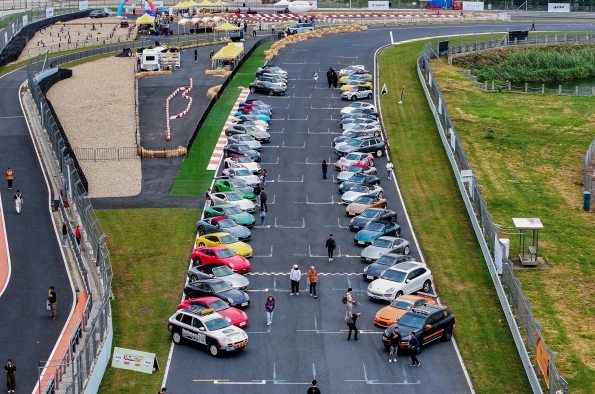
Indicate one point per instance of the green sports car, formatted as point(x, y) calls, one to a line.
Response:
point(231, 211)
point(235, 185)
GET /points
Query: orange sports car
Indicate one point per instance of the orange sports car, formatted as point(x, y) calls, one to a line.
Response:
point(393, 313)
point(364, 202)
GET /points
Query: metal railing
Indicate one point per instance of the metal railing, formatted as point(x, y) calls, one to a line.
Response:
point(95, 260)
point(526, 331)
point(589, 169)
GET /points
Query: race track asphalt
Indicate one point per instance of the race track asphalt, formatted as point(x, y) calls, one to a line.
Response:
point(27, 332)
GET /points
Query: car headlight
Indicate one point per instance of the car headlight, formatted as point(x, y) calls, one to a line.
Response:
point(366, 269)
point(370, 286)
point(341, 186)
point(377, 313)
point(231, 264)
point(230, 300)
point(228, 319)
point(392, 289)
point(352, 220)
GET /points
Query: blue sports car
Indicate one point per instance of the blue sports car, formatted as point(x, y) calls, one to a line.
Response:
point(376, 229)
point(225, 224)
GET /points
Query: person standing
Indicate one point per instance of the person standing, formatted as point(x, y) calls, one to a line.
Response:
point(195, 55)
point(349, 302)
point(263, 200)
point(264, 177)
point(273, 29)
point(414, 350)
point(64, 233)
point(533, 26)
point(352, 326)
point(53, 300)
point(313, 389)
point(11, 380)
point(295, 275)
point(269, 306)
point(9, 176)
point(324, 169)
point(313, 281)
point(256, 192)
point(315, 77)
point(389, 170)
point(208, 197)
point(245, 27)
point(329, 77)
point(254, 31)
point(77, 235)
point(263, 218)
point(18, 199)
point(331, 245)
point(335, 79)
point(395, 345)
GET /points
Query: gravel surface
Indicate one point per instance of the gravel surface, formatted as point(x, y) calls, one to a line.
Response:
point(96, 109)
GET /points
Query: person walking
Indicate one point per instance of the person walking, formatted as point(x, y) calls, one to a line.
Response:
point(208, 197)
point(414, 350)
point(312, 281)
point(9, 177)
point(263, 218)
point(352, 326)
point(195, 55)
point(64, 233)
point(11, 380)
point(331, 245)
point(256, 191)
point(295, 275)
point(533, 26)
point(77, 235)
point(263, 177)
point(329, 77)
point(269, 306)
point(349, 303)
point(315, 77)
point(245, 27)
point(162, 391)
point(395, 345)
point(18, 199)
point(324, 169)
point(313, 389)
point(335, 79)
point(263, 200)
point(273, 29)
point(389, 170)
point(53, 300)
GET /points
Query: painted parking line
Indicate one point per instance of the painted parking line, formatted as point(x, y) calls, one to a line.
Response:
point(222, 141)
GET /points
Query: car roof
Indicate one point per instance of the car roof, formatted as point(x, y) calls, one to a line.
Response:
point(407, 266)
point(213, 265)
point(380, 221)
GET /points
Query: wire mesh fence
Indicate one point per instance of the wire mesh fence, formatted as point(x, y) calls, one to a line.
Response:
point(527, 332)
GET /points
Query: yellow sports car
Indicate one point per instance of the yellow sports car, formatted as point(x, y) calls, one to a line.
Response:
point(345, 88)
point(356, 77)
point(364, 202)
point(225, 239)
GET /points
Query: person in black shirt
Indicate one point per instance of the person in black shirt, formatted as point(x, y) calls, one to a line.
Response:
point(10, 370)
point(352, 326)
point(395, 345)
point(256, 192)
point(313, 389)
point(263, 200)
point(52, 298)
point(324, 169)
point(331, 245)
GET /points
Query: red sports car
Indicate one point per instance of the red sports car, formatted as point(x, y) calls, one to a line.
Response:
point(233, 315)
point(220, 254)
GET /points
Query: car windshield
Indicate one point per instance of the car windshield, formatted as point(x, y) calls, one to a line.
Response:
point(386, 260)
point(355, 169)
point(412, 320)
point(354, 142)
point(216, 324)
point(221, 286)
point(223, 270)
point(360, 189)
point(350, 134)
point(244, 159)
point(238, 183)
point(244, 148)
point(228, 239)
point(370, 213)
point(227, 223)
point(224, 253)
point(394, 276)
point(365, 200)
point(377, 227)
point(232, 210)
point(252, 129)
point(243, 172)
point(401, 304)
point(234, 197)
point(218, 305)
point(357, 178)
point(382, 243)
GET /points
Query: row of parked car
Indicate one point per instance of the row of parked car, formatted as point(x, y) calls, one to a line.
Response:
point(271, 80)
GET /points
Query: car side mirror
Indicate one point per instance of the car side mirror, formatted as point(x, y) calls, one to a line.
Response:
point(407, 280)
point(201, 328)
point(428, 326)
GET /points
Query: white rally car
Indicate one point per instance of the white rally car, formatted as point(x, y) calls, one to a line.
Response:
point(207, 327)
point(357, 92)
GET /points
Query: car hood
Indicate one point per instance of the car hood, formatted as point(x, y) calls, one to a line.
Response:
point(236, 295)
point(236, 281)
point(242, 218)
point(360, 221)
point(239, 232)
point(250, 179)
point(374, 252)
point(356, 208)
point(367, 236)
point(259, 134)
point(344, 175)
point(391, 314)
point(381, 285)
point(351, 196)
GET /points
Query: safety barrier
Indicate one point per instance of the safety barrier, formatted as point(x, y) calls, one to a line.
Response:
point(589, 169)
point(530, 344)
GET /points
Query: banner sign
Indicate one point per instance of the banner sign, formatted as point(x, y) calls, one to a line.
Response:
point(378, 5)
point(49, 12)
point(83, 5)
point(543, 360)
point(25, 20)
point(473, 6)
point(558, 7)
point(134, 360)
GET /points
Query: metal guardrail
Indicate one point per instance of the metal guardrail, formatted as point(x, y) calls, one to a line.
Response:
point(508, 287)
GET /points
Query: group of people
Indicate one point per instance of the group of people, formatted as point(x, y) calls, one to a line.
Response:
point(18, 197)
point(295, 275)
point(332, 78)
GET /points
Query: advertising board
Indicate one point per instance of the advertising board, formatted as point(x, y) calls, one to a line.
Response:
point(134, 360)
point(473, 6)
point(83, 5)
point(49, 12)
point(558, 7)
point(378, 5)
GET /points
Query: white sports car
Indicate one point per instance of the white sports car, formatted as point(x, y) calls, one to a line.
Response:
point(243, 174)
point(234, 198)
point(242, 162)
point(361, 190)
point(350, 70)
point(358, 105)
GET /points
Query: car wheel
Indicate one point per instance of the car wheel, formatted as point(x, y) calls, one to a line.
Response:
point(379, 153)
point(253, 90)
point(176, 337)
point(421, 346)
point(191, 295)
point(201, 244)
point(371, 163)
point(229, 133)
point(399, 293)
point(398, 233)
point(353, 98)
point(427, 286)
point(406, 250)
point(213, 349)
point(207, 214)
point(196, 262)
point(271, 93)
point(369, 95)
point(201, 231)
point(193, 278)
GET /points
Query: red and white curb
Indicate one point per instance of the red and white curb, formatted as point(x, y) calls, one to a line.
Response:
point(218, 152)
point(334, 16)
point(186, 90)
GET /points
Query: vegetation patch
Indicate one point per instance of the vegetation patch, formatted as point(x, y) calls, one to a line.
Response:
point(549, 64)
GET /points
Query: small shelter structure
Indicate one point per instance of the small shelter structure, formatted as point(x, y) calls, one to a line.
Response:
point(227, 27)
point(528, 251)
point(228, 56)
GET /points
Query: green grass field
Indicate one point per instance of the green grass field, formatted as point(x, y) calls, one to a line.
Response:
point(194, 179)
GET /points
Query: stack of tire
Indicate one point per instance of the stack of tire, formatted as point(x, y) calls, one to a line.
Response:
point(45, 85)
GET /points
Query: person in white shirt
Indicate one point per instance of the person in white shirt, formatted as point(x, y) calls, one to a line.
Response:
point(295, 275)
point(389, 170)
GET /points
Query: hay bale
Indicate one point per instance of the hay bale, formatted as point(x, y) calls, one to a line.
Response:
point(144, 74)
point(212, 92)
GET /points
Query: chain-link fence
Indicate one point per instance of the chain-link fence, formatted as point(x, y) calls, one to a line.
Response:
point(527, 332)
point(70, 374)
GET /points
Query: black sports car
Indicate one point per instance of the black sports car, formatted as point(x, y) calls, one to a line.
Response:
point(359, 222)
point(241, 149)
point(267, 87)
point(358, 179)
point(218, 288)
point(373, 271)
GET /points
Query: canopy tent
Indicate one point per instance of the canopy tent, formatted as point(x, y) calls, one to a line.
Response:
point(184, 21)
point(228, 27)
point(183, 4)
point(192, 3)
point(204, 3)
point(228, 56)
point(146, 19)
point(219, 3)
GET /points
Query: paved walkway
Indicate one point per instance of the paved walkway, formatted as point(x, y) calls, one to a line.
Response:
point(27, 333)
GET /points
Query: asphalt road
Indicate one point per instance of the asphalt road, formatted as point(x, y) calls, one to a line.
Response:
point(308, 337)
point(27, 332)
